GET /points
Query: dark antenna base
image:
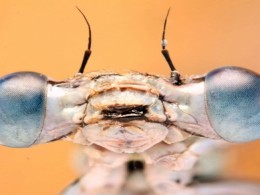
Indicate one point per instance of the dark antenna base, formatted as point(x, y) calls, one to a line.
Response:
point(84, 61)
point(175, 75)
point(88, 51)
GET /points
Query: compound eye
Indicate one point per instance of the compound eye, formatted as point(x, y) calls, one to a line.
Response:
point(22, 108)
point(233, 103)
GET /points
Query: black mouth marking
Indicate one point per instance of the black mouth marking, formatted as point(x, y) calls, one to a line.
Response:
point(118, 112)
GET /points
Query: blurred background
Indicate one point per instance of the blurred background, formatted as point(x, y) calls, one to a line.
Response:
point(50, 37)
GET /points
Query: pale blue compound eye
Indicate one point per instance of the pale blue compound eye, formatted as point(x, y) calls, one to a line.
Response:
point(233, 103)
point(22, 108)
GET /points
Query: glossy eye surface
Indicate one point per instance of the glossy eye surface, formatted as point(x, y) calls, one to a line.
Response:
point(233, 103)
point(22, 108)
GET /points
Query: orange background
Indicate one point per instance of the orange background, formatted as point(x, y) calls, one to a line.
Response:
point(50, 37)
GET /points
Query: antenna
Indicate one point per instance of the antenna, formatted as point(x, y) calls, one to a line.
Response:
point(175, 75)
point(88, 51)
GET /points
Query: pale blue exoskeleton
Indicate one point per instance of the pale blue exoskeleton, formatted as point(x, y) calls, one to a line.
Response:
point(222, 104)
point(33, 111)
point(117, 115)
point(226, 100)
